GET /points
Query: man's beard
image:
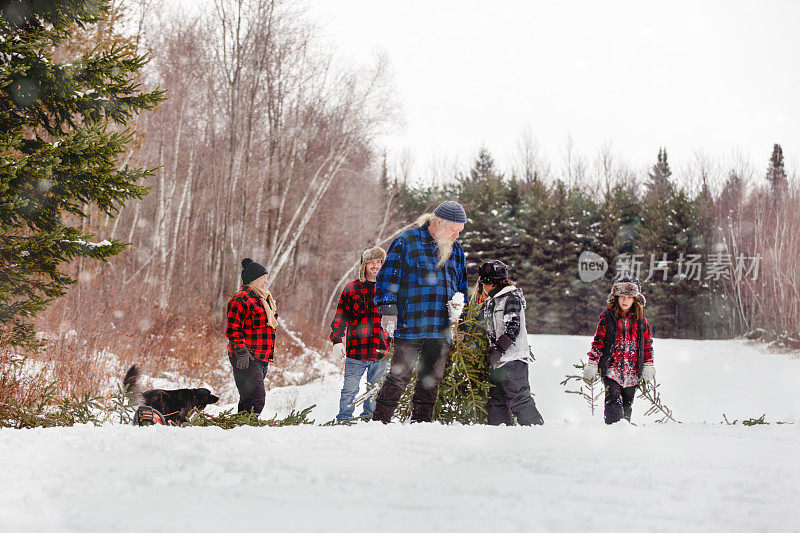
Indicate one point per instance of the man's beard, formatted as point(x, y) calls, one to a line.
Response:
point(445, 248)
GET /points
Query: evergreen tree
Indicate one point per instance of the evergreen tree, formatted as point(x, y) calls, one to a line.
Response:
point(658, 245)
point(619, 219)
point(659, 184)
point(776, 174)
point(531, 273)
point(491, 232)
point(62, 128)
point(550, 241)
point(579, 309)
point(731, 196)
point(464, 387)
point(563, 239)
point(614, 229)
point(674, 247)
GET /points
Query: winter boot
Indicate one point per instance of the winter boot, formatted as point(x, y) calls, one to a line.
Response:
point(384, 409)
point(529, 415)
point(422, 412)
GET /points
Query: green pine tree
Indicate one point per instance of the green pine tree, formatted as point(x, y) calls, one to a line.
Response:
point(491, 231)
point(583, 302)
point(532, 274)
point(62, 129)
point(464, 387)
point(659, 185)
point(674, 245)
point(551, 239)
point(776, 174)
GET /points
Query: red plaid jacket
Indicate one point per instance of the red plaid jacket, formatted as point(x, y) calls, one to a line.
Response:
point(624, 363)
point(247, 326)
point(356, 312)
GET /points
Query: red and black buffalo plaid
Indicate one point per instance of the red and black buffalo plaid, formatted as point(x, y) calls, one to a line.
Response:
point(247, 326)
point(356, 312)
point(624, 363)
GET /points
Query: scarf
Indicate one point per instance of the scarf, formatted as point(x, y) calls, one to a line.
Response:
point(268, 302)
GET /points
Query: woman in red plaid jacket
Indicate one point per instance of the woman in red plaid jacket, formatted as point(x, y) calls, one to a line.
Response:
point(252, 319)
point(367, 342)
point(622, 349)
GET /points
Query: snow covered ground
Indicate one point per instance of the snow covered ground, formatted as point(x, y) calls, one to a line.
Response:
point(574, 473)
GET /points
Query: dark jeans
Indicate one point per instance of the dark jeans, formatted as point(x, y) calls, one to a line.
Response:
point(618, 402)
point(250, 384)
point(432, 354)
point(509, 394)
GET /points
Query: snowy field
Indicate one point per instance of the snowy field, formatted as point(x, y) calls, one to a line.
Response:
point(573, 474)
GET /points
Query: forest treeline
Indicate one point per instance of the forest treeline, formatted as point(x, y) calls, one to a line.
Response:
point(266, 146)
point(717, 259)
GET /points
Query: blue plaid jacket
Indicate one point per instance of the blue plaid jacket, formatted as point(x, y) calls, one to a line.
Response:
point(410, 286)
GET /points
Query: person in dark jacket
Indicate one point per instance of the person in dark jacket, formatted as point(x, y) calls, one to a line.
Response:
point(508, 354)
point(622, 349)
point(252, 319)
point(358, 322)
point(417, 295)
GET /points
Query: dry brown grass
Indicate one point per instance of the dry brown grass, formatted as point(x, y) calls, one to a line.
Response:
point(92, 335)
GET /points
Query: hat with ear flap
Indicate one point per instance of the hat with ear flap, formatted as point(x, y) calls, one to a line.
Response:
point(626, 286)
point(376, 253)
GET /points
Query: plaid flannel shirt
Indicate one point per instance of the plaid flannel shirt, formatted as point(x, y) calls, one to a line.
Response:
point(410, 286)
point(623, 366)
point(247, 326)
point(356, 313)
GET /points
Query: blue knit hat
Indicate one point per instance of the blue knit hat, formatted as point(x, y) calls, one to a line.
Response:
point(451, 211)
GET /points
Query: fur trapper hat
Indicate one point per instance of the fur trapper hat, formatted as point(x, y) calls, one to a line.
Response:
point(375, 253)
point(626, 286)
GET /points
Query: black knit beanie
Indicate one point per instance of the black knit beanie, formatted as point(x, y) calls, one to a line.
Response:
point(251, 271)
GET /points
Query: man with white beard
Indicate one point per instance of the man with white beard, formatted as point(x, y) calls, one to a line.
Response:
point(424, 269)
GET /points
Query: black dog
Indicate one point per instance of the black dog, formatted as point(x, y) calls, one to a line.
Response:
point(175, 405)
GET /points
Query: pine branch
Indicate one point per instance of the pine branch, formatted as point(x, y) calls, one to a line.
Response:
point(585, 389)
point(651, 394)
point(464, 388)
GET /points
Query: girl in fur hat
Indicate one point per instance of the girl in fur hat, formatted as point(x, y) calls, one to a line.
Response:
point(622, 349)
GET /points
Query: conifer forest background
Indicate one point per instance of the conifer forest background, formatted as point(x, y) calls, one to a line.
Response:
point(266, 146)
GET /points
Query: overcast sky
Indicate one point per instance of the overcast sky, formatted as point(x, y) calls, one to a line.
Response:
point(713, 76)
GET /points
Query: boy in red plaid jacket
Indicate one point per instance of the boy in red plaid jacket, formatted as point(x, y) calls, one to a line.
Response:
point(358, 322)
point(252, 319)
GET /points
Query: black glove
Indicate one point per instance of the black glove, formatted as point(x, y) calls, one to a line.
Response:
point(493, 355)
point(504, 342)
point(495, 352)
point(242, 358)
